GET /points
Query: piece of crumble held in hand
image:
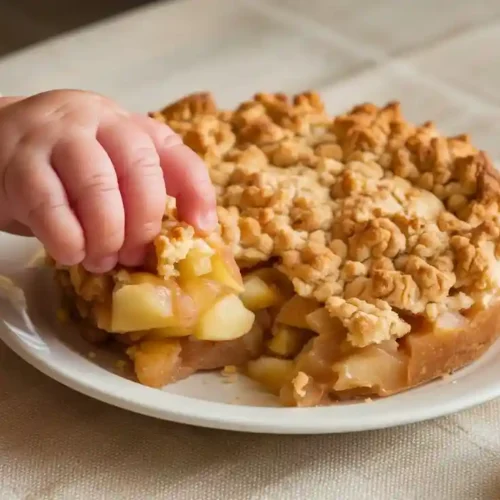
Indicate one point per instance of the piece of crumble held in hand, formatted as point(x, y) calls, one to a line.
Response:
point(369, 249)
point(172, 310)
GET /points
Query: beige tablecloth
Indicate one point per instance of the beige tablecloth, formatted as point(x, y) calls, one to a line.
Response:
point(441, 59)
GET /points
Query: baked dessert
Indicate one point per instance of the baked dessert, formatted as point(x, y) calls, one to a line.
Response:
point(367, 252)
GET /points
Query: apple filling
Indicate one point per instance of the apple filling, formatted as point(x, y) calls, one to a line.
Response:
point(201, 301)
point(209, 317)
point(309, 360)
point(152, 313)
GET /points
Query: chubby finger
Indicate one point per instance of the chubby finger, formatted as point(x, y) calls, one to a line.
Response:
point(186, 176)
point(7, 101)
point(141, 183)
point(37, 199)
point(91, 184)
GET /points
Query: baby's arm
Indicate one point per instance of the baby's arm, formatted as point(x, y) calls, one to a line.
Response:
point(90, 180)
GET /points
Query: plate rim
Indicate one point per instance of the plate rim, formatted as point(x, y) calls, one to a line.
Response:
point(240, 418)
point(118, 391)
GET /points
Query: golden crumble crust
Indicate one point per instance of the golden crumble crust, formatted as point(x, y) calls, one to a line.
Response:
point(174, 242)
point(376, 217)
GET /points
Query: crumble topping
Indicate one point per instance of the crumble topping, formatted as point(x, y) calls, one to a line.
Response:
point(174, 242)
point(299, 384)
point(375, 217)
point(367, 323)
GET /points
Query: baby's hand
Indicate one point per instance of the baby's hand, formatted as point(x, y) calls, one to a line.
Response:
point(90, 180)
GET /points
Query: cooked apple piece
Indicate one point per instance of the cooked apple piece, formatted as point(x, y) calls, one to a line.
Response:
point(225, 270)
point(272, 373)
point(156, 361)
point(102, 315)
point(320, 322)
point(382, 370)
point(258, 294)
point(272, 276)
point(318, 356)
point(141, 307)
point(287, 341)
point(140, 278)
point(169, 332)
point(204, 292)
point(145, 306)
point(197, 263)
point(77, 275)
point(294, 312)
point(227, 319)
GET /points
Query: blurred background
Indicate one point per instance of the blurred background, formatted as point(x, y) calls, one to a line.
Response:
point(24, 22)
point(438, 57)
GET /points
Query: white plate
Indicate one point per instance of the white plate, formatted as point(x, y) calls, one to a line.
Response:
point(208, 400)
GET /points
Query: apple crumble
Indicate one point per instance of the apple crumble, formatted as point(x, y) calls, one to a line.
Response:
point(357, 256)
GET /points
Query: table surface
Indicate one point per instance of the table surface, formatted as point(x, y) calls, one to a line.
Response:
point(441, 60)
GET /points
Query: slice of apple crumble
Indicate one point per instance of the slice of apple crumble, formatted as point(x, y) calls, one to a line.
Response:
point(369, 249)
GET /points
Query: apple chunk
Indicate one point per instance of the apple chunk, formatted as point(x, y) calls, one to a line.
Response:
point(320, 322)
point(272, 373)
point(169, 332)
point(272, 276)
point(294, 312)
point(145, 306)
point(102, 315)
point(258, 294)
point(225, 270)
point(155, 361)
point(197, 263)
point(287, 340)
point(204, 292)
point(140, 278)
point(383, 371)
point(227, 319)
